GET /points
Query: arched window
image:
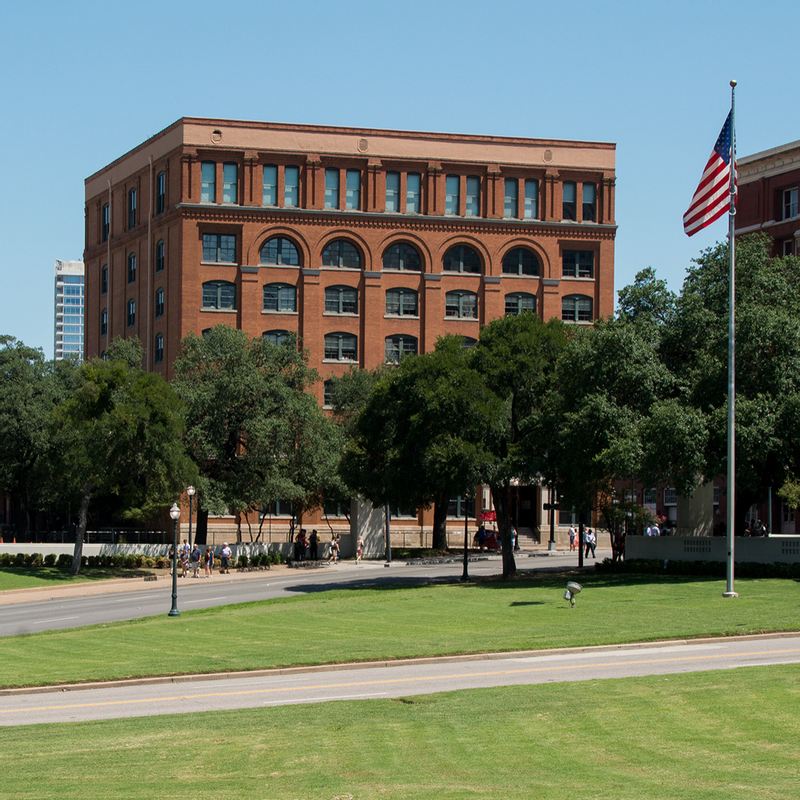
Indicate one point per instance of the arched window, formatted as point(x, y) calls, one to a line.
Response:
point(160, 257)
point(219, 294)
point(461, 304)
point(462, 259)
point(341, 300)
point(279, 251)
point(402, 303)
point(159, 348)
point(576, 308)
point(341, 253)
point(280, 297)
point(341, 347)
point(468, 342)
point(398, 346)
point(402, 256)
point(518, 302)
point(131, 313)
point(520, 261)
point(131, 267)
point(277, 337)
point(159, 302)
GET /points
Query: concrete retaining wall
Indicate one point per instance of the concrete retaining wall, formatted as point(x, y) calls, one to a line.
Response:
point(769, 550)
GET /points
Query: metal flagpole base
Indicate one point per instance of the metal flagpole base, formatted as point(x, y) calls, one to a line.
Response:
point(551, 546)
point(730, 594)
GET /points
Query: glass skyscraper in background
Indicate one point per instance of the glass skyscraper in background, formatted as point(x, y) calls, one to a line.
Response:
point(68, 338)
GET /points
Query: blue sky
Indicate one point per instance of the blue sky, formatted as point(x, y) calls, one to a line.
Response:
point(83, 82)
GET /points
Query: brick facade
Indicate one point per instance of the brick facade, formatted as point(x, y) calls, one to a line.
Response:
point(458, 204)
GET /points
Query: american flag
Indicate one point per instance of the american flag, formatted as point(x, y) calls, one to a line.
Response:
point(712, 198)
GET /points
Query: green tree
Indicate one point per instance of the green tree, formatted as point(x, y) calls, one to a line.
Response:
point(695, 347)
point(254, 430)
point(124, 433)
point(30, 388)
point(647, 300)
point(419, 438)
point(516, 358)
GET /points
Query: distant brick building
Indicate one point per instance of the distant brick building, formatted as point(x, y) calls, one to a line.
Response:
point(769, 185)
point(367, 244)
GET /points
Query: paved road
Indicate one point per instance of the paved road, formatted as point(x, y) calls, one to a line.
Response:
point(289, 687)
point(27, 612)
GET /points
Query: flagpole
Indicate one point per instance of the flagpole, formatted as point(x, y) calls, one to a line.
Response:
point(731, 498)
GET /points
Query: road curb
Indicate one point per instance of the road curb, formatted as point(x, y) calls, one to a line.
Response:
point(466, 657)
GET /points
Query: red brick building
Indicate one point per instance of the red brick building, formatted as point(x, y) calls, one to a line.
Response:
point(769, 184)
point(368, 244)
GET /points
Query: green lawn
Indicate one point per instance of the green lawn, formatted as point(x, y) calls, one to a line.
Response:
point(725, 735)
point(32, 577)
point(368, 624)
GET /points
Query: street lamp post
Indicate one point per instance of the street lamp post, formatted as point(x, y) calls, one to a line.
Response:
point(175, 513)
point(190, 490)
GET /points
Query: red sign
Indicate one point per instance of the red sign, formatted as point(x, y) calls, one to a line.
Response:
point(491, 516)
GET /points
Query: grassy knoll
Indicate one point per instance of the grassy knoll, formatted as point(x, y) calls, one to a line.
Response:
point(368, 624)
point(33, 577)
point(707, 736)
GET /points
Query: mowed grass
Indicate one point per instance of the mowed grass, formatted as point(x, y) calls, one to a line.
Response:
point(706, 736)
point(13, 578)
point(380, 623)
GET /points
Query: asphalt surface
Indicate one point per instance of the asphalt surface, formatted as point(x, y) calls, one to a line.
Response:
point(396, 679)
point(60, 607)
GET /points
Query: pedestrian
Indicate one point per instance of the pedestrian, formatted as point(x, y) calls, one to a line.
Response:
point(209, 561)
point(225, 559)
point(591, 543)
point(171, 557)
point(481, 537)
point(184, 562)
point(573, 538)
point(300, 545)
point(195, 559)
point(334, 553)
point(515, 538)
point(359, 549)
point(313, 545)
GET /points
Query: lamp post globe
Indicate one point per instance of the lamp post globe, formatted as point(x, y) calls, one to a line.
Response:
point(175, 513)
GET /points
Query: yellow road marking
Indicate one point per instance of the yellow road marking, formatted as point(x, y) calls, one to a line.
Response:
point(397, 680)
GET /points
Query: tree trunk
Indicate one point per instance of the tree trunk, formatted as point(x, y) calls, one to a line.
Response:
point(201, 531)
point(501, 496)
point(80, 533)
point(440, 522)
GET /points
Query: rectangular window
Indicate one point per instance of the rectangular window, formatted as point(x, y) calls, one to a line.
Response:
point(569, 200)
point(159, 349)
point(219, 248)
point(531, 199)
point(131, 208)
point(291, 187)
point(230, 184)
point(331, 188)
point(578, 264)
point(790, 203)
point(392, 192)
point(353, 194)
point(270, 194)
point(451, 199)
point(670, 497)
point(104, 279)
point(105, 222)
point(511, 197)
point(208, 182)
point(413, 193)
point(161, 192)
point(589, 202)
point(473, 206)
point(788, 247)
point(649, 497)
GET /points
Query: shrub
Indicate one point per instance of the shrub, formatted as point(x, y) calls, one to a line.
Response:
point(64, 561)
point(94, 562)
point(6, 559)
point(20, 560)
point(50, 560)
point(161, 562)
point(242, 561)
point(34, 560)
point(149, 561)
